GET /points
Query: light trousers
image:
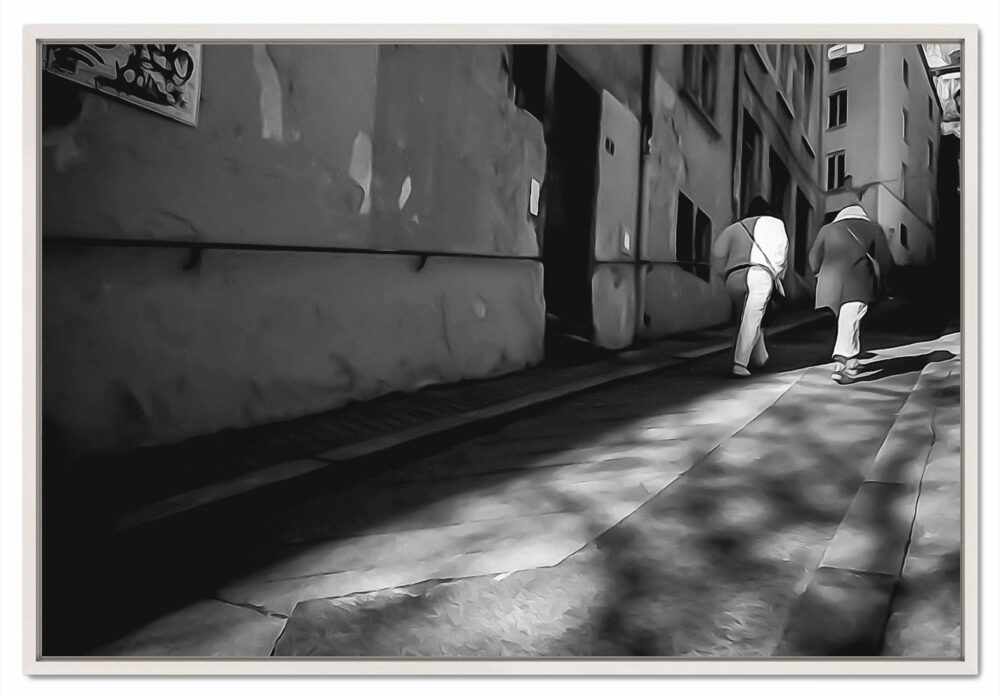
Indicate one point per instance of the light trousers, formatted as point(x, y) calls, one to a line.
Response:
point(849, 318)
point(750, 337)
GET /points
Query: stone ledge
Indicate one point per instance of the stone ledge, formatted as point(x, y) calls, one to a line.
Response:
point(874, 533)
point(842, 613)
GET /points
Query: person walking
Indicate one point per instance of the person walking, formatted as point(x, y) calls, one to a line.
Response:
point(850, 257)
point(750, 256)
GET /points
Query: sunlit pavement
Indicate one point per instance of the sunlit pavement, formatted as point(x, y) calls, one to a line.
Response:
point(680, 513)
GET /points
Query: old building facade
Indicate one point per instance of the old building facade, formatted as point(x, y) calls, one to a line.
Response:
point(882, 143)
point(350, 220)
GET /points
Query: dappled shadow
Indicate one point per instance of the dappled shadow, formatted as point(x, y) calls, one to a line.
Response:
point(926, 621)
point(714, 564)
point(142, 574)
point(711, 566)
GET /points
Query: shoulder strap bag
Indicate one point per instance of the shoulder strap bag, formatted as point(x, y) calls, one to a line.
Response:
point(770, 267)
point(875, 268)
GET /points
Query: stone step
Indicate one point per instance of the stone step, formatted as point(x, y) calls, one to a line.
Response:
point(844, 608)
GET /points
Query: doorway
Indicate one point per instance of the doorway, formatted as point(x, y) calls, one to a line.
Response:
point(803, 223)
point(780, 180)
point(572, 131)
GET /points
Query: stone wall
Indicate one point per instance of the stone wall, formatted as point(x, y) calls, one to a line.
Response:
point(200, 278)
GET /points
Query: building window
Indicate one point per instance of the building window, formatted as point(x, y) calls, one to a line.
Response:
point(904, 236)
point(930, 154)
point(902, 182)
point(906, 126)
point(701, 71)
point(751, 161)
point(786, 69)
point(906, 73)
point(838, 109)
point(838, 63)
point(835, 170)
point(930, 108)
point(693, 238)
point(809, 80)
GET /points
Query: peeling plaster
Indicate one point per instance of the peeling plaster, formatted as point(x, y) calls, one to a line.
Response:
point(66, 151)
point(271, 125)
point(404, 193)
point(360, 168)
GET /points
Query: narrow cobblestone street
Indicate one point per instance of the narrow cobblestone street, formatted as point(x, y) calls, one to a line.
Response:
point(679, 513)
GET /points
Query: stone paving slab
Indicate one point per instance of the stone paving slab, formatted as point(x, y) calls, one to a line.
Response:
point(869, 552)
point(402, 508)
point(709, 566)
point(631, 431)
point(927, 610)
point(716, 555)
point(206, 629)
point(343, 567)
point(617, 487)
point(842, 613)
point(875, 531)
point(515, 615)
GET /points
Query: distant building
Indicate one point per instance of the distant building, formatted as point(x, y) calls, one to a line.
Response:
point(881, 143)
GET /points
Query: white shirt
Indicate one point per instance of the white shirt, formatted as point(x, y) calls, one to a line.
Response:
point(771, 246)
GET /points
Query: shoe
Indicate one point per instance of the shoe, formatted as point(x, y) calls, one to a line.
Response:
point(740, 371)
point(845, 372)
point(838, 371)
point(852, 368)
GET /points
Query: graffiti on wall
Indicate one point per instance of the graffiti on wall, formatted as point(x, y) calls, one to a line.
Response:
point(165, 78)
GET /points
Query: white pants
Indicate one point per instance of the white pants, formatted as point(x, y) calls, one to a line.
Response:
point(750, 338)
point(849, 318)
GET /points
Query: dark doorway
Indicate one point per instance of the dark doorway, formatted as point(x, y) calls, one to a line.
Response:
point(803, 222)
point(948, 231)
point(780, 181)
point(573, 128)
point(750, 162)
point(528, 72)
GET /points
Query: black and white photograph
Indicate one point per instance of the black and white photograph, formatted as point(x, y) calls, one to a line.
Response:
point(502, 350)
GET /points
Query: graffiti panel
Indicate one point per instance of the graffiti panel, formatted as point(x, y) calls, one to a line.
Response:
point(165, 78)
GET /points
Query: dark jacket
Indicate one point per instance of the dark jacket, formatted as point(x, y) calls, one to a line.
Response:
point(844, 271)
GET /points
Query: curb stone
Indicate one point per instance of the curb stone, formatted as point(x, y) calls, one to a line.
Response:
point(633, 363)
point(845, 607)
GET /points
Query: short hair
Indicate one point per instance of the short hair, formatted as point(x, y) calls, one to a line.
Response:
point(758, 206)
